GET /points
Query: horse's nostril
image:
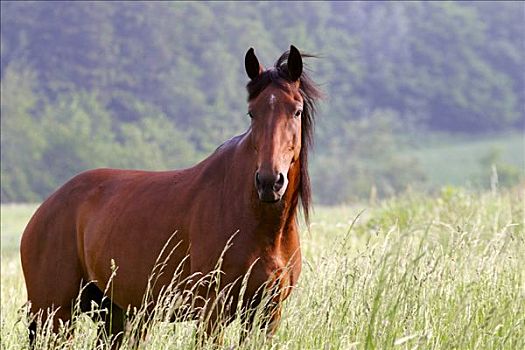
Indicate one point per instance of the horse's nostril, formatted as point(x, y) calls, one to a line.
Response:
point(279, 183)
point(281, 179)
point(257, 179)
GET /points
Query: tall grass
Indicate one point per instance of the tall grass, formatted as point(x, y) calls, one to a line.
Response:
point(411, 272)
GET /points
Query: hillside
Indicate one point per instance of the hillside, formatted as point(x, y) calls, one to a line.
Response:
point(159, 85)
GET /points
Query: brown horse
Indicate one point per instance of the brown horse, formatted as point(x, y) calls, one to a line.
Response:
point(246, 193)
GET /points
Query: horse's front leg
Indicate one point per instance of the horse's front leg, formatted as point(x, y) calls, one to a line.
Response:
point(272, 319)
point(217, 314)
point(214, 325)
point(269, 316)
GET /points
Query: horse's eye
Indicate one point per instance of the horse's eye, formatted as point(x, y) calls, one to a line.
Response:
point(250, 115)
point(298, 113)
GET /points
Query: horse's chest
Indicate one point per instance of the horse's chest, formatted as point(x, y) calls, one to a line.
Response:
point(271, 271)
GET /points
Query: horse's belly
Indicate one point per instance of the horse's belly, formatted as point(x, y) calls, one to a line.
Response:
point(128, 262)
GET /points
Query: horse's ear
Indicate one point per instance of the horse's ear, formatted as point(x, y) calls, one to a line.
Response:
point(252, 65)
point(295, 63)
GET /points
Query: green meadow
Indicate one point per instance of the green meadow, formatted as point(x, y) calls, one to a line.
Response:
point(414, 272)
point(466, 160)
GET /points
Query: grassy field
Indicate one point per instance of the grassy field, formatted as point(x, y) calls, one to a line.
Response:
point(458, 160)
point(414, 272)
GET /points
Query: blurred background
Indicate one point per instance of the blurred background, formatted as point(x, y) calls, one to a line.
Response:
point(419, 95)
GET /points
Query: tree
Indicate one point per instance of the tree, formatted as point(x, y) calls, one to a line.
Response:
point(22, 138)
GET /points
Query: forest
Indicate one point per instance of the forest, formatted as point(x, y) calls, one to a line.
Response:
point(159, 85)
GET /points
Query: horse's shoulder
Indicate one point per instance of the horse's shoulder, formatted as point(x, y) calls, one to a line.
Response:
point(217, 162)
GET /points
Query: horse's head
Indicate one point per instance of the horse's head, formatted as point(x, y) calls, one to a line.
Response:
point(275, 105)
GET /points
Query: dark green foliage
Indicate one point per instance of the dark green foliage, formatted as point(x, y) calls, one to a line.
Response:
point(22, 142)
point(159, 85)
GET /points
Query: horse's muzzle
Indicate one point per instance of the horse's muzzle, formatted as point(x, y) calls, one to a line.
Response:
point(270, 187)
